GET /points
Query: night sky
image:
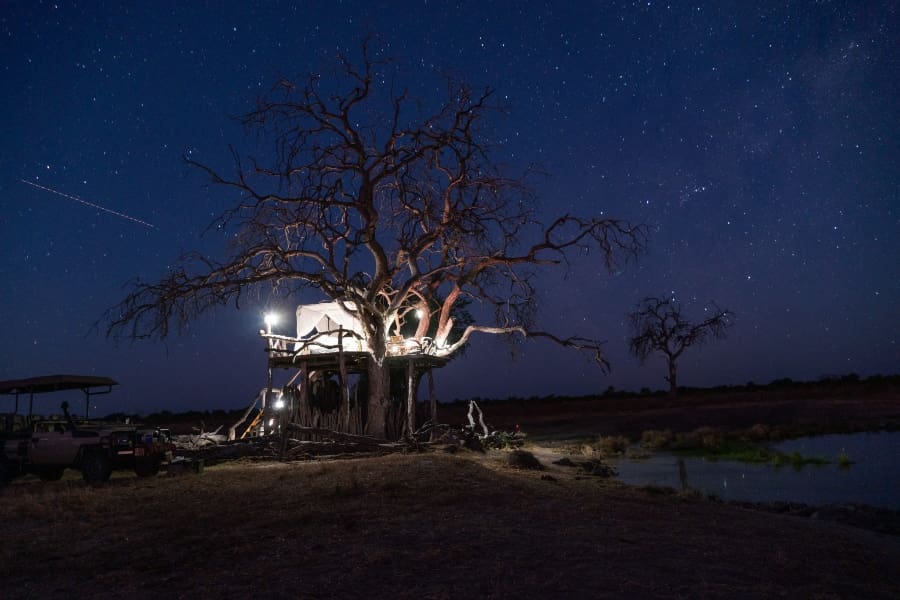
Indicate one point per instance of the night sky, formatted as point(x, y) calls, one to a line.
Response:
point(759, 140)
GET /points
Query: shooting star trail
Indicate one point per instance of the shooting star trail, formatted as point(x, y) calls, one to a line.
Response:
point(86, 203)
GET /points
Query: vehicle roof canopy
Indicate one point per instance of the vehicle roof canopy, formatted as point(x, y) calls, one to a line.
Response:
point(54, 383)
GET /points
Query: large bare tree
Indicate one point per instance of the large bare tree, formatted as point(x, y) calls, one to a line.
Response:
point(658, 325)
point(386, 207)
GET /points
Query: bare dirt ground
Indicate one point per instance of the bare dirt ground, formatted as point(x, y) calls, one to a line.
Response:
point(464, 525)
point(420, 525)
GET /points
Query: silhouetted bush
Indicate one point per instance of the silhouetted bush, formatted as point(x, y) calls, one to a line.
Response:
point(655, 439)
point(611, 445)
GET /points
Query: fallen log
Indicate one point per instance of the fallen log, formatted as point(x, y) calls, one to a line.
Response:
point(359, 439)
point(213, 438)
point(300, 447)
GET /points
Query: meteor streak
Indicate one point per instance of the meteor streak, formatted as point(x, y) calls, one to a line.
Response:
point(86, 203)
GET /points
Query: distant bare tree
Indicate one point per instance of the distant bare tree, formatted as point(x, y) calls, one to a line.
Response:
point(398, 214)
point(658, 325)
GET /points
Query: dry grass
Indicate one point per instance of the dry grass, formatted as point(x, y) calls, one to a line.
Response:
point(417, 526)
point(656, 439)
point(611, 445)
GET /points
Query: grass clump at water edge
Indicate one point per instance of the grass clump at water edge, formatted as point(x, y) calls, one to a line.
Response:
point(844, 461)
point(714, 444)
point(605, 447)
point(797, 460)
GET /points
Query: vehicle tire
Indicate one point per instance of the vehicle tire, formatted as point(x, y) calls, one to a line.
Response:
point(51, 474)
point(147, 466)
point(96, 467)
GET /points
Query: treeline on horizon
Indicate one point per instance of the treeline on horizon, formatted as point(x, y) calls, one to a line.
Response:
point(825, 385)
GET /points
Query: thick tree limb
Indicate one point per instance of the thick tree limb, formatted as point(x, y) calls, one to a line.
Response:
point(395, 210)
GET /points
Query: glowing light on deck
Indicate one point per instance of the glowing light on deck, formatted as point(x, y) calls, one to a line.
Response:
point(271, 319)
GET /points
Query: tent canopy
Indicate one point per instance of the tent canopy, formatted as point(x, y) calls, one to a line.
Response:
point(327, 316)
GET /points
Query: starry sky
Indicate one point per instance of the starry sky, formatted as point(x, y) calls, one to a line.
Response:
point(760, 141)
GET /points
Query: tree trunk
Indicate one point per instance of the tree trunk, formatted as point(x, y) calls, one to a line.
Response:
point(673, 380)
point(379, 401)
point(379, 383)
point(379, 375)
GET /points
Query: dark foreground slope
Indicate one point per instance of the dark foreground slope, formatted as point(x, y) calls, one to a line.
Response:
point(418, 526)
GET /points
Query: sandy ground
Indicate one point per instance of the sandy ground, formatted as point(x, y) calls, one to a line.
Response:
point(423, 525)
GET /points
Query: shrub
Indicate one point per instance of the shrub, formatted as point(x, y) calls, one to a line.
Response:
point(755, 455)
point(707, 437)
point(758, 433)
point(502, 440)
point(844, 461)
point(611, 445)
point(655, 439)
point(796, 460)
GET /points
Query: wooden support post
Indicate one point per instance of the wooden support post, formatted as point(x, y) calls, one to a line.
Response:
point(266, 428)
point(344, 410)
point(293, 410)
point(410, 398)
point(292, 403)
point(432, 400)
point(303, 409)
point(357, 423)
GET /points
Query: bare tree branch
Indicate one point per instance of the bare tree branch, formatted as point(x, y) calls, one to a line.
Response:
point(658, 325)
point(373, 202)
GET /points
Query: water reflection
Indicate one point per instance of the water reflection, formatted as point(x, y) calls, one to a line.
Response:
point(873, 478)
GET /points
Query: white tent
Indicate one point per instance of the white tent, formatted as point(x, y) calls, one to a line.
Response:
point(319, 323)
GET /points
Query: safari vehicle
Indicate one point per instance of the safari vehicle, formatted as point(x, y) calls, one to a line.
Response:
point(46, 446)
